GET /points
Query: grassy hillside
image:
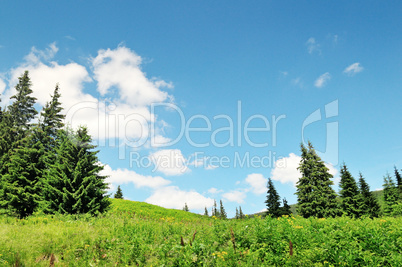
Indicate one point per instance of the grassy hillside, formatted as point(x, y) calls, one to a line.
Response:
point(140, 234)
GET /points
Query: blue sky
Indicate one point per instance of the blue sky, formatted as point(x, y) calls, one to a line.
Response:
point(330, 73)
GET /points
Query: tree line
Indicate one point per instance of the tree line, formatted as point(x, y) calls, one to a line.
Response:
point(317, 198)
point(44, 165)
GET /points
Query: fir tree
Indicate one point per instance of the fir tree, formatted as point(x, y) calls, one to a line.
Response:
point(390, 194)
point(273, 200)
point(185, 208)
point(20, 192)
point(368, 202)
point(119, 193)
point(215, 211)
point(349, 193)
point(73, 182)
point(315, 195)
point(222, 212)
point(206, 212)
point(241, 215)
point(398, 183)
point(22, 109)
point(285, 209)
point(237, 214)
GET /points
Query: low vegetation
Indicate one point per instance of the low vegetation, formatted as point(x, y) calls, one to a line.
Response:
point(135, 233)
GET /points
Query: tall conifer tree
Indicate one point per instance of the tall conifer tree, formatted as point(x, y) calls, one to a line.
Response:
point(273, 200)
point(368, 202)
point(315, 195)
point(349, 193)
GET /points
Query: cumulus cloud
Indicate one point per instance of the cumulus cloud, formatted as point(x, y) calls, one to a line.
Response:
point(257, 182)
point(322, 80)
point(313, 46)
point(285, 170)
point(173, 197)
point(2, 86)
point(125, 176)
point(121, 68)
point(353, 69)
point(235, 196)
point(123, 115)
point(213, 190)
point(169, 162)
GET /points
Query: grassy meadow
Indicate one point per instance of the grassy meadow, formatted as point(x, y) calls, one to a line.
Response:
point(140, 234)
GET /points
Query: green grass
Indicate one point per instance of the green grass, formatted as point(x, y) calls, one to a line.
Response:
point(135, 233)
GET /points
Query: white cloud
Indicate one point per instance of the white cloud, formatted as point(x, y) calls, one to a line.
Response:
point(313, 46)
point(213, 190)
point(169, 162)
point(211, 167)
point(173, 197)
point(258, 183)
point(353, 69)
point(115, 117)
point(235, 196)
point(322, 80)
point(285, 170)
point(2, 86)
point(121, 69)
point(124, 176)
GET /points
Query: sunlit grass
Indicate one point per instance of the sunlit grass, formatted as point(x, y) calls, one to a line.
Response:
point(138, 233)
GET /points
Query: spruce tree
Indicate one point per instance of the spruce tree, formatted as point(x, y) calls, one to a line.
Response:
point(22, 109)
point(241, 215)
point(215, 211)
point(349, 193)
point(119, 193)
point(237, 214)
point(315, 195)
point(285, 209)
point(21, 188)
point(273, 200)
point(390, 194)
point(222, 212)
point(206, 212)
point(368, 202)
point(73, 183)
point(398, 183)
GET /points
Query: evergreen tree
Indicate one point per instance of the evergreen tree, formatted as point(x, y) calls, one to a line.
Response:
point(237, 214)
point(51, 121)
point(349, 193)
point(206, 212)
point(185, 208)
point(73, 182)
point(285, 209)
point(368, 202)
point(119, 193)
point(241, 215)
point(22, 109)
point(390, 194)
point(20, 192)
point(398, 183)
point(222, 212)
point(215, 211)
point(273, 200)
point(315, 195)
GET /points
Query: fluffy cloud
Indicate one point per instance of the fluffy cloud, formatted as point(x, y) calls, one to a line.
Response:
point(353, 69)
point(312, 46)
point(257, 182)
point(285, 170)
point(2, 86)
point(124, 176)
point(120, 68)
point(173, 197)
point(169, 162)
point(213, 190)
point(235, 196)
point(322, 80)
point(124, 116)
